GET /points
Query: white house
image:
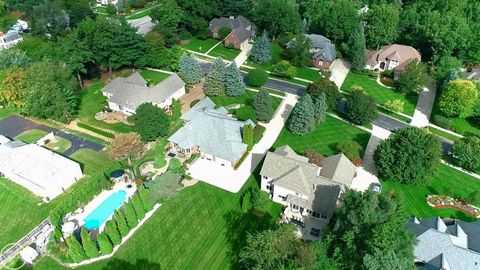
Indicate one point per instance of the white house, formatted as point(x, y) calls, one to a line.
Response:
point(106, 2)
point(309, 192)
point(392, 57)
point(212, 133)
point(38, 169)
point(126, 94)
point(19, 27)
point(9, 39)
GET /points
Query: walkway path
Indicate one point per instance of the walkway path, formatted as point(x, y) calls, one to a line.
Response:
point(225, 177)
point(426, 98)
point(367, 173)
point(209, 50)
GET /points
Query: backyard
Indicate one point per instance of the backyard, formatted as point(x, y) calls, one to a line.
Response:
point(203, 227)
point(448, 181)
point(324, 137)
point(379, 93)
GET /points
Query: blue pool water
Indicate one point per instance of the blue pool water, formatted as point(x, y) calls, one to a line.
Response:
point(95, 219)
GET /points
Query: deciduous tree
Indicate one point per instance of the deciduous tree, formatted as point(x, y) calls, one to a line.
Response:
point(326, 87)
point(263, 106)
point(256, 78)
point(382, 25)
point(12, 87)
point(466, 153)
point(233, 81)
point(167, 16)
point(126, 146)
point(157, 55)
point(75, 54)
point(277, 16)
point(458, 98)
point(150, 122)
point(360, 108)
point(302, 119)
point(413, 78)
point(298, 51)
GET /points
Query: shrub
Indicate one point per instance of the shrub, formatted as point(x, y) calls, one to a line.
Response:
point(387, 81)
point(314, 157)
point(246, 201)
point(245, 113)
point(350, 149)
point(96, 130)
point(247, 136)
point(395, 105)
point(285, 69)
point(175, 165)
point(256, 78)
point(121, 223)
point(194, 102)
point(104, 243)
point(357, 161)
point(224, 32)
point(388, 73)
point(89, 246)
point(258, 133)
point(442, 121)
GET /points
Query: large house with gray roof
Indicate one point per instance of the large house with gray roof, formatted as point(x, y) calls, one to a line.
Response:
point(243, 31)
point(322, 50)
point(9, 40)
point(212, 133)
point(126, 94)
point(307, 190)
point(446, 244)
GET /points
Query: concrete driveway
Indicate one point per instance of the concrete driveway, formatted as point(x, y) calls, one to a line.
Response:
point(15, 125)
point(232, 180)
point(426, 98)
point(243, 56)
point(367, 173)
point(143, 25)
point(339, 71)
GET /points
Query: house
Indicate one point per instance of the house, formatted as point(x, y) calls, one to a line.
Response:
point(308, 191)
point(9, 40)
point(392, 57)
point(243, 31)
point(446, 244)
point(322, 50)
point(211, 133)
point(107, 2)
point(19, 27)
point(37, 169)
point(126, 94)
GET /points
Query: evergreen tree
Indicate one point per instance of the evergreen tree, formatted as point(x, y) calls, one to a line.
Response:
point(302, 120)
point(304, 26)
point(89, 246)
point(130, 215)
point(145, 196)
point(121, 223)
point(106, 246)
point(214, 84)
point(247, 136)
point(261, 51)
point(320, 108)
point(356, 50)
point(138, 206)
point(189, 69)
point(263, 106)
point(75, 250)
point(233, 81)
point(113, 233)
point(360, 108)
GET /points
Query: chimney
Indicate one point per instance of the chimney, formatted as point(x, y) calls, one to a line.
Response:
point(232, 17)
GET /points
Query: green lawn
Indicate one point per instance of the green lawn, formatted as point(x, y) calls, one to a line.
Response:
point(324, 137)
point(5, 112)
point(415, 196)
point(201, 228)
point(201, 45)
point(443, 134)
point(92, 101)
point(154, 77)
point(224, 52)
point(31, 136)
point(59, 145)
point(276, 51)
point(378, 92)
point(245, 112)
point(101, 9)
point(308, 73)
point(467, 127)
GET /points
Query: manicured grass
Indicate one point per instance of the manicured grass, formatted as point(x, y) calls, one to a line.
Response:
point(154, 77)
point(378, 92)
point(31, 136)
point(201, 45)
point(415, 196)
point(308, 73)
point(247, 100)
point(324, 137)
point(394, 115)
point(443, 134)
point(467, 127)
point(5, 112)
point(59, 145)
point(91, 102)
point(91, 161)
point(224, 52)
point(201, 228)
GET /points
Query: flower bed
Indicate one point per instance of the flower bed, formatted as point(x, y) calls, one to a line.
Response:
point(443, 201)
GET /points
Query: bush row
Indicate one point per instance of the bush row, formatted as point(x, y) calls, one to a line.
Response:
point(96, 130)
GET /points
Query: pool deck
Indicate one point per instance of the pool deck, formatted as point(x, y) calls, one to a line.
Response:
point(80, 215)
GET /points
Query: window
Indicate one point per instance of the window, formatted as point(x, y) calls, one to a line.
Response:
point(316, 215)
point(323, 216)
point(265, 177)
point(295, 207)
point(269, 187)
point(282, 197)
point(309, 211)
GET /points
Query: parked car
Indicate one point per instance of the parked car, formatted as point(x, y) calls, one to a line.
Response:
point(376, 187)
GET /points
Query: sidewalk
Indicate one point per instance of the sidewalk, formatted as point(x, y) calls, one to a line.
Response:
point(226, 177)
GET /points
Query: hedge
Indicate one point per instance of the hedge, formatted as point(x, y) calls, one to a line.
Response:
point(442, 121)
point(96, 130)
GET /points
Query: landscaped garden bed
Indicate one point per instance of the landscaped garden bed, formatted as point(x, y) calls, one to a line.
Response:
point(444, 201)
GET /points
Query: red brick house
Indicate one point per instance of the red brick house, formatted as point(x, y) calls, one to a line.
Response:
point(243, 31)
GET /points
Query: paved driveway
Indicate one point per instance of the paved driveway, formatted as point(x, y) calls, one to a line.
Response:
point(242, 57)
point(232, 180)
point(143, 25)
point(15, 125)
point(339, 71)
point(426, 98)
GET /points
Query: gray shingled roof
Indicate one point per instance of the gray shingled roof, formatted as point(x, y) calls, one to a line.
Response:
point(11, 36)
point(132, 91)
point(242, 34)
point(239, 25)
point(321, 45)
point(439, 245)
point(212, 130)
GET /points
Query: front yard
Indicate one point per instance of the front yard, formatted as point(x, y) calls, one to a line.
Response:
point(224, 52)
point(31, 136)
point(379, 93)
point(324, 137)
point(200, 45)
point(448, 181)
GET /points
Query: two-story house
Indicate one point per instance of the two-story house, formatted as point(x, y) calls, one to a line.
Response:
point(322, 50)
point(9, 39)
point(392, 57)
point(243, 31)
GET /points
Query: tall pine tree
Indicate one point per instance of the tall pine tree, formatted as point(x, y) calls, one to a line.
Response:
point(214, 84)
point(356, 50)
point(75, 249)
point(302, 120)
point(189, 69)
point(138, 206)
point(263, 106)
point(145, 196)
point(320, 108)
point(304, 26)
point(233, 81)
point(104, 243)
point(113, 233)
point(121, 223)
point(89, 246)
point(261, 51)
point(130, 215)
point(247, 136)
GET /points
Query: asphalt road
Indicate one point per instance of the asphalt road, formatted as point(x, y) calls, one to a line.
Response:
point(15, 125)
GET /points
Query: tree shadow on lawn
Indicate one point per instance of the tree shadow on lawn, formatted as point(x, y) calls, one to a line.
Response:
point(143, 264)
point(239, 225)
point(361, 139)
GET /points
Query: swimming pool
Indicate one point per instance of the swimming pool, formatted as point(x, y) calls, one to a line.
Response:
point(96, 218)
